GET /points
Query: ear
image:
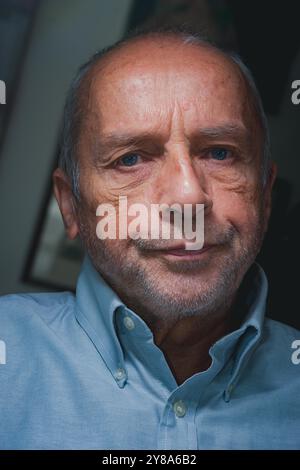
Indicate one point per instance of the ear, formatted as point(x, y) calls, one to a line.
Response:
point(65, 200)
point(271, 177)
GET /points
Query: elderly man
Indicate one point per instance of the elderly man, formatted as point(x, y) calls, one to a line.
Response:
point(163, 347)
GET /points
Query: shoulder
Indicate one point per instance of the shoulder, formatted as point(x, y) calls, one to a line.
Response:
point(15, 309)
point(280, 333)
point(277, 351)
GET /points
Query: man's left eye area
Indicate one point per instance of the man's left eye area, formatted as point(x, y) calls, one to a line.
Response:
point(129, 160)
point(219, 153)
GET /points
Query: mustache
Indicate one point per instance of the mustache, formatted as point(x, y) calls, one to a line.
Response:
point(213, 237)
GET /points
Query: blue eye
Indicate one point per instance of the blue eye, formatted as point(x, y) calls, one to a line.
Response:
point(129, 160)
point(219, 153)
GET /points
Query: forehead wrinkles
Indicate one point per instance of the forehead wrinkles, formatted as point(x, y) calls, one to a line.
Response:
point(141, 100)
point(152, 91)
point(149, 89)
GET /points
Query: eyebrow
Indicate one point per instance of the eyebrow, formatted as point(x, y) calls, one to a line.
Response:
point(227, 131)
point(117, 140)
point(120, 140)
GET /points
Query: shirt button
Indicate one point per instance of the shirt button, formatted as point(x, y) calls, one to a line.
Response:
point(120, 374)
point(129, 323)
point(179, 408)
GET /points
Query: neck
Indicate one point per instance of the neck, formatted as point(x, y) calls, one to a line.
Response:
point(187, 342)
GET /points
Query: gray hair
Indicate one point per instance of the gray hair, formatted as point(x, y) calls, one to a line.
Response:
point(74, 107)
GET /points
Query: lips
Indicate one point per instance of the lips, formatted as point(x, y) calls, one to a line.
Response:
point(186, 253)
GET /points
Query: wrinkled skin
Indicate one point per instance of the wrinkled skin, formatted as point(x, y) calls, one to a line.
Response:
point(178, 103)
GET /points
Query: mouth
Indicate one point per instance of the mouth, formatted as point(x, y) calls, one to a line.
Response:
point(183, 253)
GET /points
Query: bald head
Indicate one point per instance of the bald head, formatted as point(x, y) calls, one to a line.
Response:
point(132, 62)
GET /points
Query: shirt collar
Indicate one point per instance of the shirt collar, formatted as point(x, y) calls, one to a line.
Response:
point(250, 305)
point(95, 312)
point(97, 305)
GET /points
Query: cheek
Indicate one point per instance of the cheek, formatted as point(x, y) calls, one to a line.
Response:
point(95, 192)
point(104, 187)
point(238, 203)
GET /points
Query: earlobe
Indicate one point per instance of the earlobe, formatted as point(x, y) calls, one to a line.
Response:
point(65, 200)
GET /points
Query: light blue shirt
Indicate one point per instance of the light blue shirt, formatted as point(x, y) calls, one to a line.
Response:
point(83, 372)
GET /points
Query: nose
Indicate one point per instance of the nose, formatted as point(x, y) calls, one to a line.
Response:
point(182, 182)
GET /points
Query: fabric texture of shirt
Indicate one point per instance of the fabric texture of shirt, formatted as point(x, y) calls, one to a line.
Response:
point(83, 372)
